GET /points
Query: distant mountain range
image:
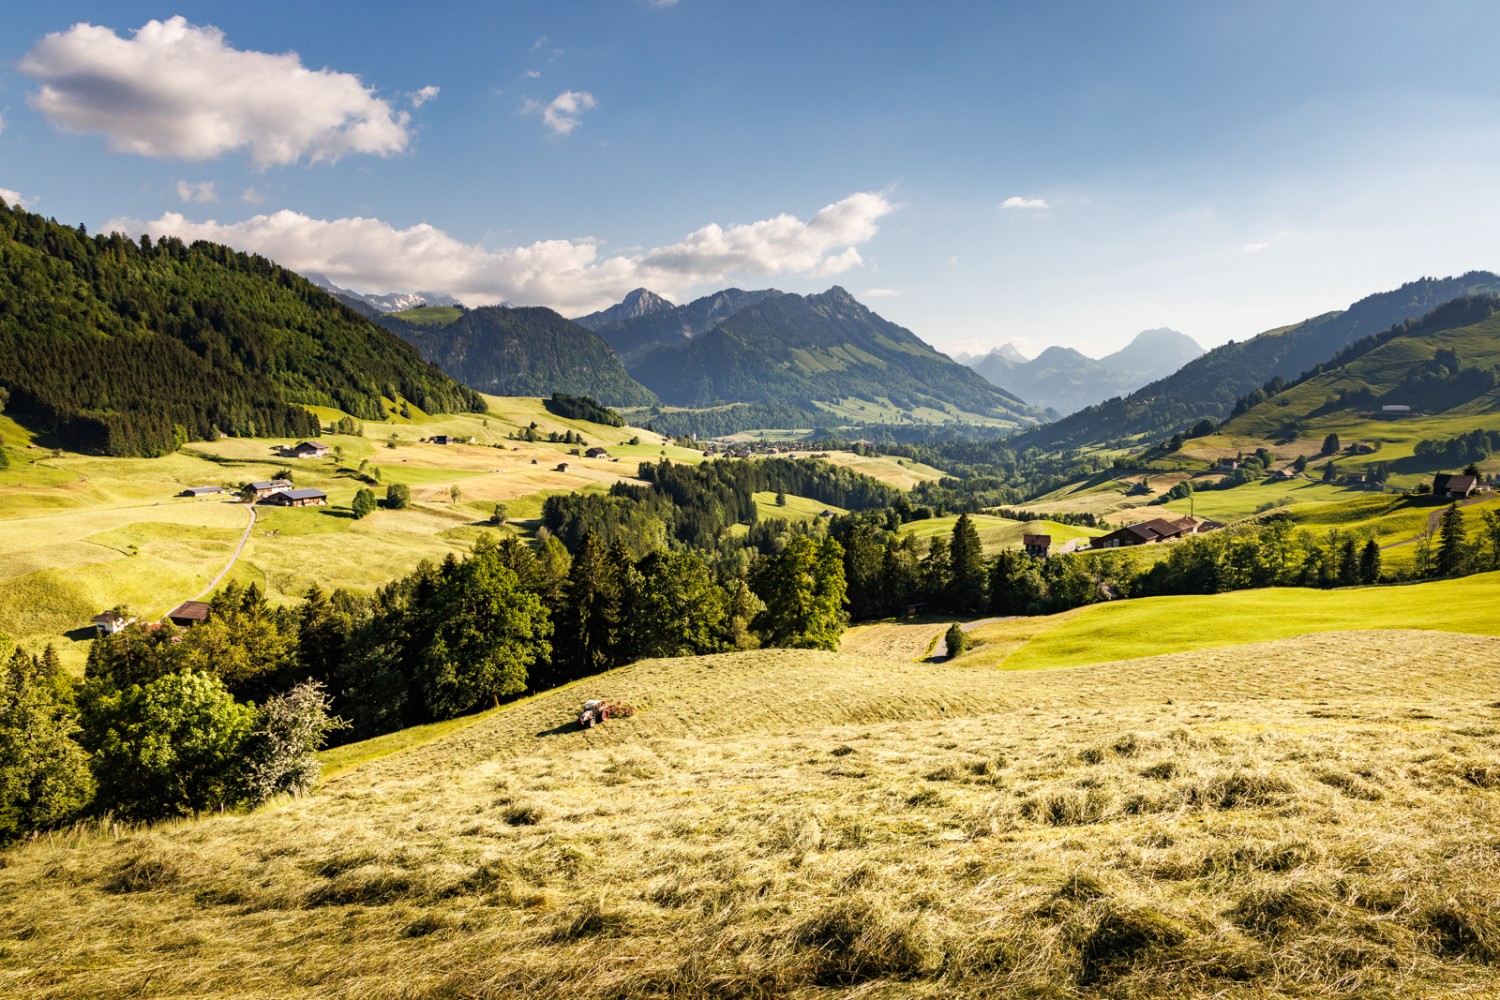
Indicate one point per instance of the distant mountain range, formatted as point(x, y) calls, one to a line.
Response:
point(774, 348)
point(374, 305)
point(1208, 386)
point(1066, 380)
point(518, 352)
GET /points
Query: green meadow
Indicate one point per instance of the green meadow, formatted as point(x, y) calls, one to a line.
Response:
point(1152, 626)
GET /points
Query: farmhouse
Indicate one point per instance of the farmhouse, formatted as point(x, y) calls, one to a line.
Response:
point(190, 613)
point(562, 466)
point(201, 491)
point(441, 439)
point(596, 452)
point(1228, 464)
point(1158, 529)
point(1446, 484)
point(297, 498)
point(110, 622)
point(1036, 546)
point(306, 449)
point(266, 487)
point(1395, 408)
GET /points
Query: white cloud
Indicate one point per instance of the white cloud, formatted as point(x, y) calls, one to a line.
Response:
point(879, 293)
point(2, 123)
point(1016, 201)
point(251, 195)
point(177, 89)
point(569, 275)
point(424, 95)
point(12, 197)
point(533, 74)
point(1255, 247)
point(201, 192)
point(564, 113)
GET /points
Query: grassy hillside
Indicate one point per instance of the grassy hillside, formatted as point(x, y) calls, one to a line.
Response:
point(1209, 386)
point(997, 533)
point(1150, 626)
point(1302, 817)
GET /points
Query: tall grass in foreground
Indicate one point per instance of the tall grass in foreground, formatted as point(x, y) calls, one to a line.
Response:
point(1308, 817)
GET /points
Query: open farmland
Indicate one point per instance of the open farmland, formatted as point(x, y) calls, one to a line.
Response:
point(997, 533)
point(1295, 817)
point(80, 533)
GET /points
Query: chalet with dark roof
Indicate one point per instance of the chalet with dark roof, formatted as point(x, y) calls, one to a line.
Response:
point(1036, 546)
point(441, 439)
point(266, 487)
point(201, 491)
point(1455, 485)
point(297, 498)
point(306, 449)
point(1158, 529)
point(596, 452)
point(190, 613)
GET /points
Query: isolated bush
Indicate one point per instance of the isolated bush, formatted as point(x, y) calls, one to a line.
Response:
point(281, 752)
point(957, 640)
point(363, 503)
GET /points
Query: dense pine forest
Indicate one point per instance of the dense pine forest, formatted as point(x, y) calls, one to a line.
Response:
point(133, 348)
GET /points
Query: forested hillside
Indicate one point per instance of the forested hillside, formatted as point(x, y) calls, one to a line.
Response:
point(794, 349)
point(519, 352)
point(1209, 386)
point(133, 348)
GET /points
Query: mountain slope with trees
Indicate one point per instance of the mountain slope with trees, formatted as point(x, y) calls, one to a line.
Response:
point(1209, 386)
point(794, 349)
point(519, 352)
point(644, 322)
point(133, 348)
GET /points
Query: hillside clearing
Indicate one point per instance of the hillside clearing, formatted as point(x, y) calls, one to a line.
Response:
point(1121, 629)
point(1298, 817)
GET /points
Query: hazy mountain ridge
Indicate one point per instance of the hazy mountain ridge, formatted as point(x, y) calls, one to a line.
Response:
point(370, 305)
point(1209, 386)
point(1067, 380)
point(520, 351)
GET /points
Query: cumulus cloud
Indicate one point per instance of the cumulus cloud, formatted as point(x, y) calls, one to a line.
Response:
point(177, 89)
point(1255, 247)
point(1016, 201)
point(571, 276)
point(12, 197)
point(201, 192)
point(251, 195)
point(879, 293)
point(424, 95)
point(565, 111)
point(533, 74)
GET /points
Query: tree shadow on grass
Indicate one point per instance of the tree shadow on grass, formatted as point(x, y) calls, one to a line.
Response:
point(347, 515)
point(566, 727)
point(81, 634)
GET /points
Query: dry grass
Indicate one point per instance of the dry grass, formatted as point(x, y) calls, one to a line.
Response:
point(1306, 817)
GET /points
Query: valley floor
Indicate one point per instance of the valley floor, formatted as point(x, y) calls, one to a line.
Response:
point(1307, 816)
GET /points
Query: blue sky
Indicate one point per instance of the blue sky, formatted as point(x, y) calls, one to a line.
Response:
point(979, 172)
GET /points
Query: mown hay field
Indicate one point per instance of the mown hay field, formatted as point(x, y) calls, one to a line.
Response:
point(1313, 816)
